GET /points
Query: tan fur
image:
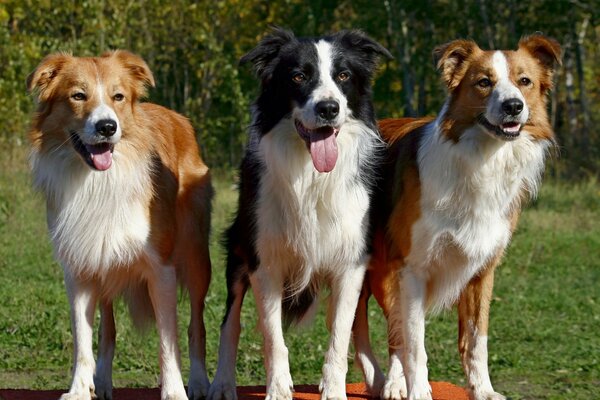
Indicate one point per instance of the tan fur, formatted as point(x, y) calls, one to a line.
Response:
point(177, 200)
point(462, 64)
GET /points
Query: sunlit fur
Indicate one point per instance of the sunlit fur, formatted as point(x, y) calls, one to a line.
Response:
point(453, 190)
point(133, 229)
point(298, 229)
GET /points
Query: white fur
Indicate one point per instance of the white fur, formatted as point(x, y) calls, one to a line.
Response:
point(326, 90)
point(504, 90)
point(310, 229)
point(310, 226)
point(102, 111)
point(468, 191)
point(99, 222)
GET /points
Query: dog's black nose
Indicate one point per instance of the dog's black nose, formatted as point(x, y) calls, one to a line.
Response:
point(512, 107)
point(328, 109)
point(106, 127)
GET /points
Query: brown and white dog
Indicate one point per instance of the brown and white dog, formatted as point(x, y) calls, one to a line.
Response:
point(128, 210)
point(453, 194)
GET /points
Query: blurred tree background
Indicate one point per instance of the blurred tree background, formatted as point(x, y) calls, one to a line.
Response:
point(193, 49)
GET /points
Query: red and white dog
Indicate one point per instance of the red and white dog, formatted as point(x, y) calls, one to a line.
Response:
point(128, 202)
point(453, 194)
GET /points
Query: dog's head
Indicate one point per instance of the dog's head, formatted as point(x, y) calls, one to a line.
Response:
point(319, 83)
point(87, 101)
point(500, 91)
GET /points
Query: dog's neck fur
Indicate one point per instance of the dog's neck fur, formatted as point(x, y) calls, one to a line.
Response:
point(311, 214)
point(97, 220)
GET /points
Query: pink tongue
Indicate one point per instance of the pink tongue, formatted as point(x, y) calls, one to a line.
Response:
point(323, 149)
point(101, 156)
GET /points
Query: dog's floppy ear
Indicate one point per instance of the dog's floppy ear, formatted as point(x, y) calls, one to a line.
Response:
point(452, 59)
point(547, 51)
point(43, 79)
point(369, 48)
point(266, 51)
point(137, 68)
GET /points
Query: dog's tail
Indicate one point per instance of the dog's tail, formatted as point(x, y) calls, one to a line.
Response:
point(139, 303)
point(300, 308)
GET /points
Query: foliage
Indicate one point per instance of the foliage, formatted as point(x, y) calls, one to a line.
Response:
point(193, 48)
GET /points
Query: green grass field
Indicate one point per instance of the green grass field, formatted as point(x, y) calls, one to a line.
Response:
point(545, 323)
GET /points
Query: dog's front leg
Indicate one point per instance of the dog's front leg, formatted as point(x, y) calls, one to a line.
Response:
point(162, 287)
point(106, 351)
point(82, 298)
point(413, 293)
point(267, 285)
point(473, 316)
point(344, 299)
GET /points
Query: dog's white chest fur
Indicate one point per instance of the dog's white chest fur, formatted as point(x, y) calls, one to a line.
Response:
point(468, 190)
point(311, 222)
point(97, 220)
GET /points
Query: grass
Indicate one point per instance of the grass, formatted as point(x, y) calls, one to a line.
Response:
point(545, 323)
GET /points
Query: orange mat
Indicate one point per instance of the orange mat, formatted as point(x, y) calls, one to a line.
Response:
point(355, 391)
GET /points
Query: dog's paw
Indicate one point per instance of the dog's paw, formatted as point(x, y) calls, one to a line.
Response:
point(198, 387)
point(421, 391)
point(103, 389)
point(281, 387)
point(78, 396)
point(485, 395)
point(329, 393)
point(222, 391)
point(394, 389)
point(333, 383)
point(173, 396)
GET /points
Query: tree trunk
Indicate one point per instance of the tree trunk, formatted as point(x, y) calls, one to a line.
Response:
point(583, 102)
point(486, 22)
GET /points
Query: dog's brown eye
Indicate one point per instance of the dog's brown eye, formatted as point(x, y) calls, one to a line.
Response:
point(118, 97)
point(343, 76)
point(525, 81)
point(484, 83)
point(299, 77)
point(79, 96)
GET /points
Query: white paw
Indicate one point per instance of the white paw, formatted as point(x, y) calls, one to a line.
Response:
point(280, 387)
point(173, 395)
point(420, 392)
point(485, 395)
point(198, 387)
point(333, 383)
point(78, 396)
point(394, 389)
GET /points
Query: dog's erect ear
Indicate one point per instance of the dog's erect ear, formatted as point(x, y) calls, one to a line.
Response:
point(547, 51)
point(266, 51)
point(369, 48)
point(43, 79)
point(137, 68)
point(452, 59)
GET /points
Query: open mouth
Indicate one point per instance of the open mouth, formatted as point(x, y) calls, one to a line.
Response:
point(98, 156)
point(322, 145)
point(507, 130)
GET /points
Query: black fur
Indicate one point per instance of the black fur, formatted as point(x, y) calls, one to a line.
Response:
point(276, 59)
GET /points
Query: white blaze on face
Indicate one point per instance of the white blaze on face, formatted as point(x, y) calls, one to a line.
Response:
point(102, 111)
point(325, 90)
point(503, 90)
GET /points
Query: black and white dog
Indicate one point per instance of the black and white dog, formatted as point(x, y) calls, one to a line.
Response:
point(303, 209)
